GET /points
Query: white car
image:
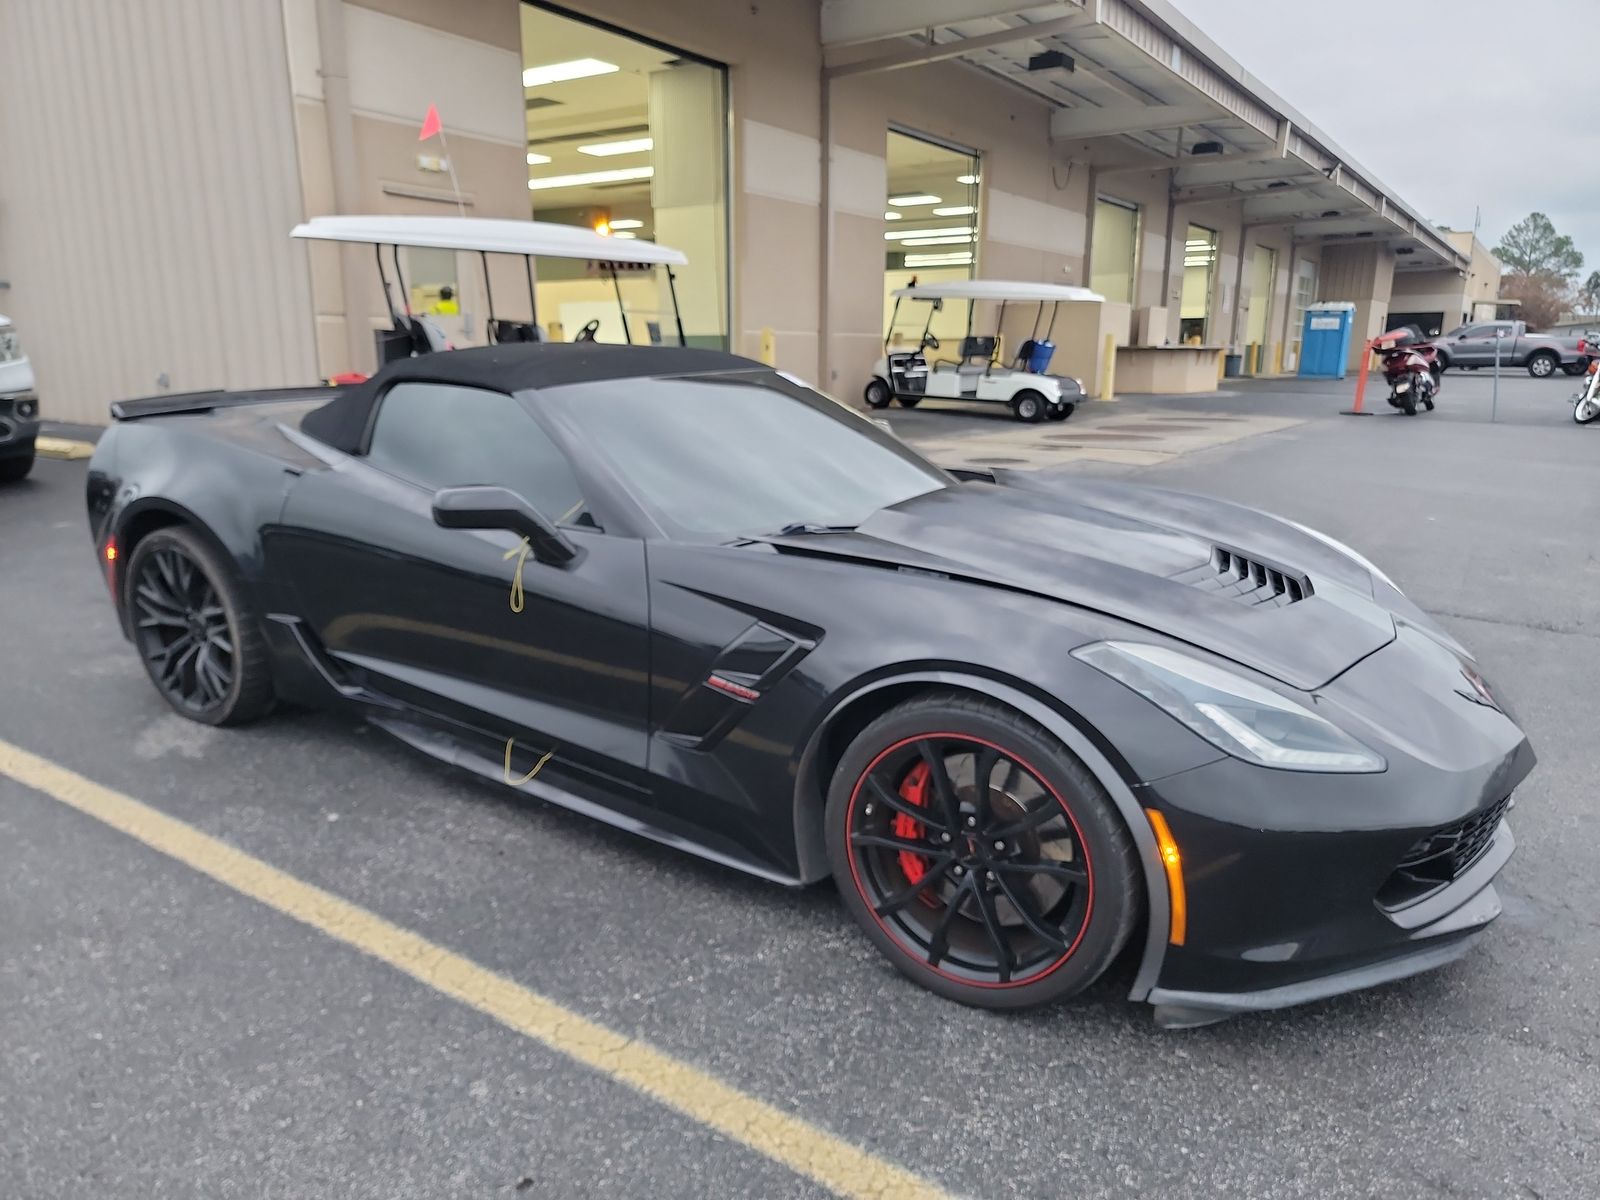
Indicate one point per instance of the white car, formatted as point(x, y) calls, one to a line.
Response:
point(976, 375)
point(19, 406)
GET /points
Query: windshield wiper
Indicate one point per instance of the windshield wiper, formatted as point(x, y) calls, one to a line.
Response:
point(800, 527)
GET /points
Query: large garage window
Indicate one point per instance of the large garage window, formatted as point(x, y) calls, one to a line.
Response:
point(1114, 250)
point(930, 229)
point(1199, 275)
point(627, 137)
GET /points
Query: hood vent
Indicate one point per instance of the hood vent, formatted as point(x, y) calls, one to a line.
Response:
point(1250, 581)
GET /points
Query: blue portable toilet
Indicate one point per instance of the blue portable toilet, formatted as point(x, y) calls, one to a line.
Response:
point(1325, 340)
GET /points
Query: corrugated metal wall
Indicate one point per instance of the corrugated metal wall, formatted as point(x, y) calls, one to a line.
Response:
point(148, 182)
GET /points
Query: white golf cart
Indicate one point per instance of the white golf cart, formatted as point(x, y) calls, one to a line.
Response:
point(976, 373)
point(415, 333)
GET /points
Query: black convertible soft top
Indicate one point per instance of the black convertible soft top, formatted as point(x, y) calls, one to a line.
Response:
point(342, 422)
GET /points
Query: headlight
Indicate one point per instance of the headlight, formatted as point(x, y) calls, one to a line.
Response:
point(1234, 715)
point(1359, 559)
point(10, 347)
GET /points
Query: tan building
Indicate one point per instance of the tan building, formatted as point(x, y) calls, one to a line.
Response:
point(807, 155)
point(1440, 299)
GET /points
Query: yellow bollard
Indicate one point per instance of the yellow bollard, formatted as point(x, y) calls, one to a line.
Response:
point(1108, 369)
point(769, 347)
point(555, 332)
point(1222, 364)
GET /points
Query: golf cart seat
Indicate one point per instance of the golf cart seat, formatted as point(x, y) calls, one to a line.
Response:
point(503, 332)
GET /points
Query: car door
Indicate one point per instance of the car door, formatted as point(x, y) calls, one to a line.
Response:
point(1473, 346)
point(467, 623)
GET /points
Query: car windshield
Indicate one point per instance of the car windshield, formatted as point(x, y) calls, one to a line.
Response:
point(742, 453)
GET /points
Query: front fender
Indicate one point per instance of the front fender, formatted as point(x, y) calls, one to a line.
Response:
point(811, 794)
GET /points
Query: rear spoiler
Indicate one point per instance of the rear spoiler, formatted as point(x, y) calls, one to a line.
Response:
point(175, 403)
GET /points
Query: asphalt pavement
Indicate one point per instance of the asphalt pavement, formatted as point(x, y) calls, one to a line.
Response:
point(163, 1035)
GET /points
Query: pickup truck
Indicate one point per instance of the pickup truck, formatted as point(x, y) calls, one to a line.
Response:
point(1473, 346)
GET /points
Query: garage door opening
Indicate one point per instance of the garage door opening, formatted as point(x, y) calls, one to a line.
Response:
point(627, 137)
point(930, 231)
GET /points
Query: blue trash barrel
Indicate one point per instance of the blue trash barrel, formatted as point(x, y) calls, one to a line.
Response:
point(1040, 355)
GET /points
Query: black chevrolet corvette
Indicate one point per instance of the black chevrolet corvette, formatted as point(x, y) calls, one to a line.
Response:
point(1021, 720)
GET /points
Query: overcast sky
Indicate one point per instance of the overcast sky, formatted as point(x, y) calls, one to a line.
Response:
point(1453, 104)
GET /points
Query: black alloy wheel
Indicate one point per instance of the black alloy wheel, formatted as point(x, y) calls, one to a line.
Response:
point(979, 855)
point(206, 658)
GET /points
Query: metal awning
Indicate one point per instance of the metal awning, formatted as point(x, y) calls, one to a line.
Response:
point(1138, 87)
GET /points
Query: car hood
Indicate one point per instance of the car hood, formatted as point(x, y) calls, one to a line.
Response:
point(1142, 555)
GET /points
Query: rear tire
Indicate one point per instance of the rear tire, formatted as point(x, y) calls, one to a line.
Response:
point(1029, 406)
point(1028, 900)
point(1543, 365)
point(15, 470)
point(200, 644)
point(877, 394)
point(1408, 402)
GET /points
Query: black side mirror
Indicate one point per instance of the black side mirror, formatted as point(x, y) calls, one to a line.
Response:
point(501, 508)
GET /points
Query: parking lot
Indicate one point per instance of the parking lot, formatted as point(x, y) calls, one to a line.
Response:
point(168, 1031)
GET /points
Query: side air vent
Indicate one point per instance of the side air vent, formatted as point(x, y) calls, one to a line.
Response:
point(1247, 580)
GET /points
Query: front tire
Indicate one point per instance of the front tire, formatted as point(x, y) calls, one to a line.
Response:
point(979, 855)
point(1029, 406)
point(1543, 365)
point(1586, 411)
point(15, 470)
point(1060, 412)
point(877, 394)
point(198, 640)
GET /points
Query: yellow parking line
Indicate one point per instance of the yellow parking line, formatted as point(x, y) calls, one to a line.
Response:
point(54, 447)
point(782, 1137)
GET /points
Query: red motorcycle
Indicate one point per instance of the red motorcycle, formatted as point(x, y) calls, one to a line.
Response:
point(1411, 367)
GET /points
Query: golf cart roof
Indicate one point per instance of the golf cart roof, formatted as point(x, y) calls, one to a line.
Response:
point(999, 289)
point(541, 239)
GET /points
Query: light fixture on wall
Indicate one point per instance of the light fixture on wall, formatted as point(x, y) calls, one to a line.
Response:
point(564, 72)
point(625, 146)
point(914, 200)
point(620, 175)
point(535, 160)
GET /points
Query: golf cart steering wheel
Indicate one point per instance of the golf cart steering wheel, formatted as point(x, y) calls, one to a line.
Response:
point(586, 334)
point(929, 342)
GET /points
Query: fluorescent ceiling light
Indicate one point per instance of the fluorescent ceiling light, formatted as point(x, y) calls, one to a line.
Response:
point(937, 260)
point(956, 239)
point(627, 223)
point(535, 160)
point(895, 235)
point(913, 200)
point(968, 179)
point(955, 210)
point(562, 72)
point(583, 177)
point(622, 234)
point(626, 146)
point(892, 216)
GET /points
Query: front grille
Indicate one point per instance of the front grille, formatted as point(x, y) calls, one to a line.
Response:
point(1442, 856)
point(1248, 580)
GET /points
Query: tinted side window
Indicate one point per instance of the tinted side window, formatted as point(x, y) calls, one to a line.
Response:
point(439, 436)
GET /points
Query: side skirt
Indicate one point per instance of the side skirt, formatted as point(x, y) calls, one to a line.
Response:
point(458, 751)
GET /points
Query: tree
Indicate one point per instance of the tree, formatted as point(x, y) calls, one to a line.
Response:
point(1544, 296)
point(1533, 247)
point(1589, 295)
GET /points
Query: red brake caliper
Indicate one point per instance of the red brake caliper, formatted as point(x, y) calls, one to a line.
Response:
point(914, 790)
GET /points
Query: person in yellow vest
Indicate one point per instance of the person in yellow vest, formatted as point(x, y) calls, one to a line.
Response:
point(447, 305)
